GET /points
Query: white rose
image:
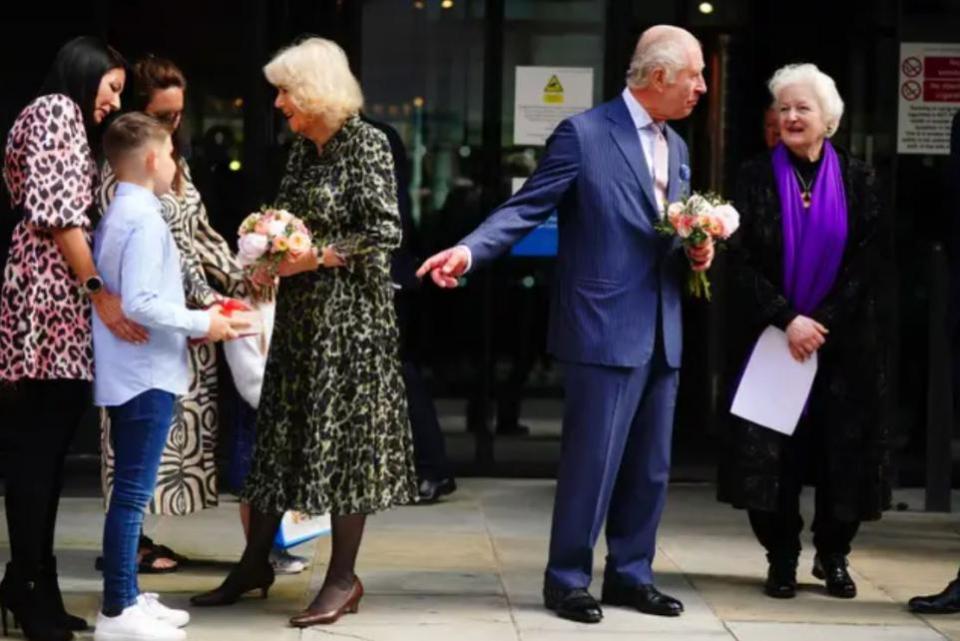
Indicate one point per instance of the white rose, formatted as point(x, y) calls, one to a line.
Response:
point(252, 247)
point(730, 217)
point(697, 204)
point(277, 228)
point(674, 210)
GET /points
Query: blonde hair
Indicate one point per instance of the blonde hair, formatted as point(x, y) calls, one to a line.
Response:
point(822, 85)
point(317, 76)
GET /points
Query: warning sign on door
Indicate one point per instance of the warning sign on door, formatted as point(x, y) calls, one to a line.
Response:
point(929, 96)
point(545, 96)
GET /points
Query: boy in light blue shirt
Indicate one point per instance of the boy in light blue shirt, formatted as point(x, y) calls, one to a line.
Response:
point(136, 256)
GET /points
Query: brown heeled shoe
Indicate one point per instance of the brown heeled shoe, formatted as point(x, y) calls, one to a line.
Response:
point(350, 606)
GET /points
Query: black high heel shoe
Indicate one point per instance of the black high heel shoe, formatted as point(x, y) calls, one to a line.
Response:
point(254, 571)
point(26, 601)
point(238, 582)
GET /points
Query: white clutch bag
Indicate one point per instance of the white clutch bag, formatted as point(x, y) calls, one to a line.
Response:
point(247, 355)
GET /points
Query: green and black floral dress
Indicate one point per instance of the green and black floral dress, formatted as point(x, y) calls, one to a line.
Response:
point(333, 435)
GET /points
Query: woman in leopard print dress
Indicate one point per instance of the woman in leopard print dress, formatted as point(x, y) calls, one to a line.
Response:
point(46, 350)
point(332, 429)
point(187, 482)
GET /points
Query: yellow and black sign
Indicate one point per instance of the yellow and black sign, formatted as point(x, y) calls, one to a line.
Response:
point(553, 92)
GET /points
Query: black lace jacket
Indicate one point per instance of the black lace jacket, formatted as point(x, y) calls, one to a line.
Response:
point(850, 445)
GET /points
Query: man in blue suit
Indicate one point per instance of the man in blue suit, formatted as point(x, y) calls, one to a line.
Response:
point(615, 320)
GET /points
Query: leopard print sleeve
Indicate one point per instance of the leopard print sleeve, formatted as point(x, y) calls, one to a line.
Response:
point(374, 197)
point(51, 172)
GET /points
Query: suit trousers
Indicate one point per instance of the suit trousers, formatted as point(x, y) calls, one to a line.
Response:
point(614, 468)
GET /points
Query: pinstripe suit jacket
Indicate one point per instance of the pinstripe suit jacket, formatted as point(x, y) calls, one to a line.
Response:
point(616, 277)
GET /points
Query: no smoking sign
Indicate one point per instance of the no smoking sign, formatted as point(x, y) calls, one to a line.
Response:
point(912, 67)
point(911, 90)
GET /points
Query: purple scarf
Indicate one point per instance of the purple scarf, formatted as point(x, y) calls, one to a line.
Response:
point(813, 239)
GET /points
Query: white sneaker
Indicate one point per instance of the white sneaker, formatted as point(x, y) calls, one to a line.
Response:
point(149, 602)
point(135, 625)
point(285, 563)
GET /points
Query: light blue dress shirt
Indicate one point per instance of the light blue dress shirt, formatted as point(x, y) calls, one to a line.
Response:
point(137, 259)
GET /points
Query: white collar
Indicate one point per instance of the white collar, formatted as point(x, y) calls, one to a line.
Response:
point(641, 119)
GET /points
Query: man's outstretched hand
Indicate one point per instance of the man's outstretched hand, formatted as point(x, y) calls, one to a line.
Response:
point(447, 266)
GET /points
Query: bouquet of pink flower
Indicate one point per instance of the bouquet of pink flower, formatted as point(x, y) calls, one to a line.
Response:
point(694, 220)
point(266, 239)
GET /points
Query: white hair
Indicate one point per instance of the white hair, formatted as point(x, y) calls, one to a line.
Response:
point(822, 85)
point(661, 47)
point(317, 75)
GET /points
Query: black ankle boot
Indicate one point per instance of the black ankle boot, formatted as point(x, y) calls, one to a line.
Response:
point(21, 594)
point(254, 572)
point(51, 588)
point(832, 568)
point(781, 579)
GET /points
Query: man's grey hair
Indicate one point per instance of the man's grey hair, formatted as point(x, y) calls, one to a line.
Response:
point(661, 47)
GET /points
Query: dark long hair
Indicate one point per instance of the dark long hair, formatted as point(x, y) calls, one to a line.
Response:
point(77, 72)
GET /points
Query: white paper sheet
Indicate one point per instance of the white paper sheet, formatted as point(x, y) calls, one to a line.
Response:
point(775, 387)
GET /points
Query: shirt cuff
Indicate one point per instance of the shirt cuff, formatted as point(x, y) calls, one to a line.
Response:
point(469, 257)
point(199, 323)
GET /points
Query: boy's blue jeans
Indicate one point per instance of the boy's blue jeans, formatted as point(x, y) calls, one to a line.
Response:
point(139, 431)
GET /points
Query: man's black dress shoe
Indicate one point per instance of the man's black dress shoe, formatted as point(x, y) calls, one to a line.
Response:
point(947, 602)
point(431, 490)
point(781, 579)
point(832, 568)
point(645, 598)
point(574, 604)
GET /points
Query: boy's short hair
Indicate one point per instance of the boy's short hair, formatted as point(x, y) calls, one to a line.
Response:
point(130, 133)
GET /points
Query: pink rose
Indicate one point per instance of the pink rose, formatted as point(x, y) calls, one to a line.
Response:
point(713, 225)
point(298, 242)
point(684, 224)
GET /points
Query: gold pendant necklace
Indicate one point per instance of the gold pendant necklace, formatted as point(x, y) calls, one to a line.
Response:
point(805, 192)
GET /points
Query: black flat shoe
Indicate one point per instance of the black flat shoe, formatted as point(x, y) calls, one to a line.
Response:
point(946, 602)
point(781, 580)
point(572, 604)
point(431, 490)
point(645, 598)
point(832, 568)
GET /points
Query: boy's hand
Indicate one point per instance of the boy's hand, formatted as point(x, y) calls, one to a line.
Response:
point(223, 328)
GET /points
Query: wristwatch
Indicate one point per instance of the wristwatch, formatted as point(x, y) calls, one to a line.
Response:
point(92, 285)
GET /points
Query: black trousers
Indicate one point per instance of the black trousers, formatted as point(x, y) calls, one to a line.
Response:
point(428, 442)
point(779, 531)
point(44, 416)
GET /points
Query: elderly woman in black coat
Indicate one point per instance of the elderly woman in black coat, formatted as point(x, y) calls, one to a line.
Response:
point(806, 261)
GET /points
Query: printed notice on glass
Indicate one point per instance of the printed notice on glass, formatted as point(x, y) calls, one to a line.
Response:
point(929, 90)
point(545, 96)
point(775, 387)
